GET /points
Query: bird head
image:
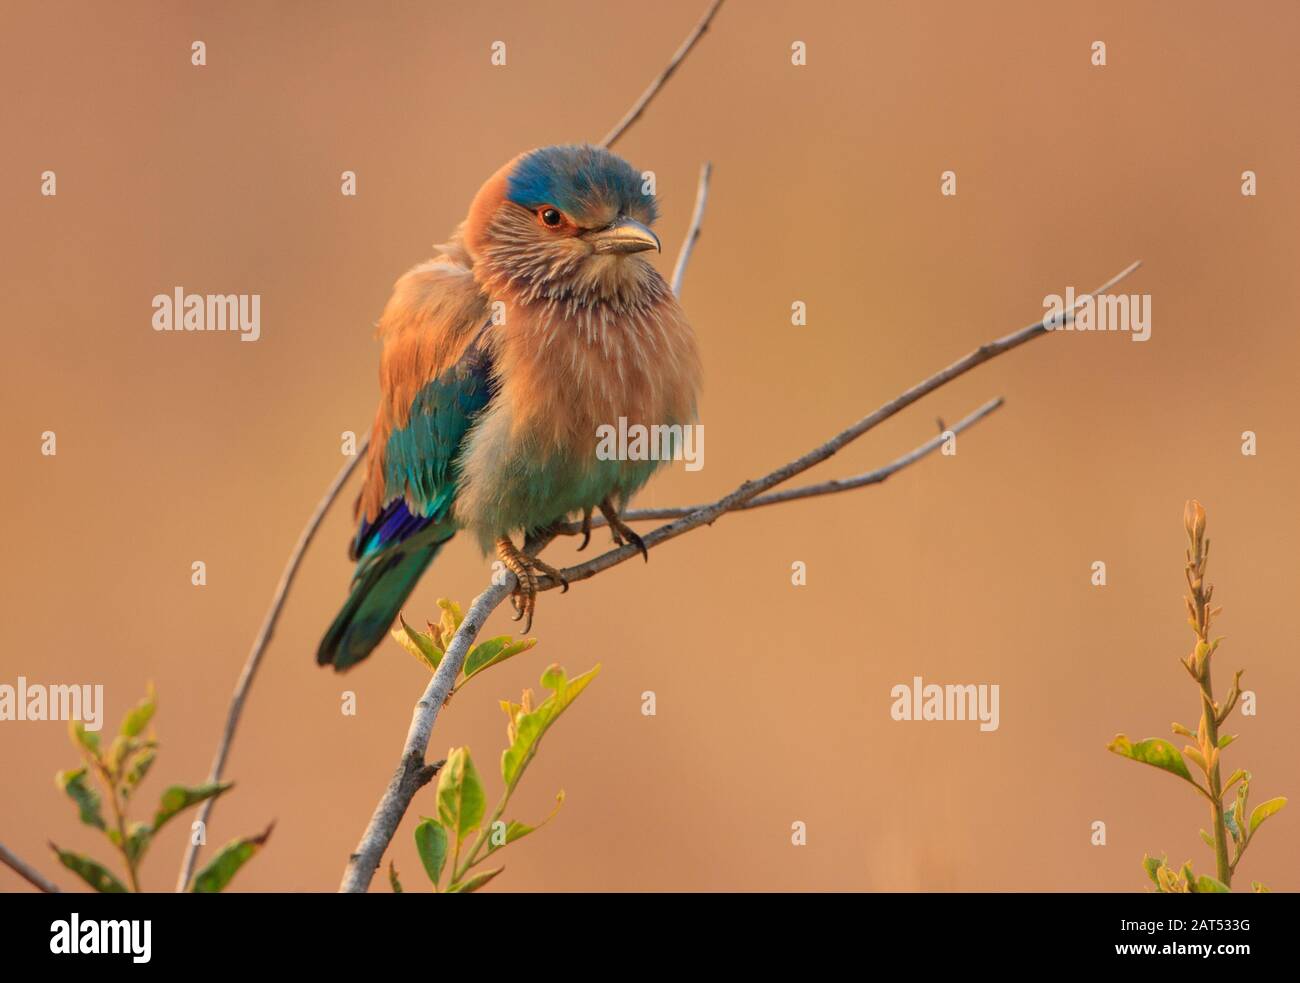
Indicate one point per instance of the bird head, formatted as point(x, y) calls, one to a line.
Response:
point(563, 221)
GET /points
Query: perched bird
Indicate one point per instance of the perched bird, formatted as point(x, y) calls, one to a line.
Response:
point(539, 322)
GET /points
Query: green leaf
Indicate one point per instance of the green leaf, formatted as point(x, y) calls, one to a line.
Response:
point(529, 727)
point(1264, 810)
point(179, 797)
point(1243, 795)
point(73, 782)
point(138, 839)
point(483, 653)
point(82, 738)
point(118, 752)
point(123, 751)
point(461, 802)
point(1205, 884)
point(1235, 777)
point(516, 830)
point(1209, 840)
point(449, 624)
point(474, 883)
point(392, 878)
point(493, 652)
point(1169, 881)
point(1227, 739)
point(93, 873)
point(138, 717)
point(1201, 653)
point(216, 875)
point(1259, 888)
point(135, 774)
point(1230, 821)
point(431, 842)
point(1152, 866)
point(1153, 751)
point(419, 644)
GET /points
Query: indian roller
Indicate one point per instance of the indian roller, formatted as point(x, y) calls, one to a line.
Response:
point(537, 323)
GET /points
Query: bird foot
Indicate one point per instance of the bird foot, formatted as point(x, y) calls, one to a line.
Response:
point(562, 528)
point(586, 529)
point(525, 568)
point(620, 530)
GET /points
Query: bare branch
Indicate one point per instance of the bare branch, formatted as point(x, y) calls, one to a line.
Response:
point(693, 231)
point(26, 872)
point(402, 788)
point(678, 57)
point(805, 491)
point(259, 648)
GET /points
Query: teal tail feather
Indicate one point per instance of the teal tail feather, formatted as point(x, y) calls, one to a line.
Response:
point(377, 596)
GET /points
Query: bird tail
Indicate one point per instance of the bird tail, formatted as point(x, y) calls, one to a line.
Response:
point(370, 610)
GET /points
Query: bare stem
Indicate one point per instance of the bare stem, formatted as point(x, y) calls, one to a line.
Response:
point(1216, 786)
point(119, 814)
point(831, 487)
point(409, 777)
point(638, 107)
point(110, 779)
point(26, 871)
point(693, 231)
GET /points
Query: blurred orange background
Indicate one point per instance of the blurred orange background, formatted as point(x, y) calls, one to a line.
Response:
point(773, 700)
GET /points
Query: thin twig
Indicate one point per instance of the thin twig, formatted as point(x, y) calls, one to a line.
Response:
point(693, 232)
point(407, 780)
point(679, 56)
point(805, 491)
point(259, 649)
point(26, 871)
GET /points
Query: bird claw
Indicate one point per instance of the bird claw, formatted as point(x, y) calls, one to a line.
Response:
point(586, 529)
point(525, 568)
point(522, 609)
point(621, 532)
point(639, 543)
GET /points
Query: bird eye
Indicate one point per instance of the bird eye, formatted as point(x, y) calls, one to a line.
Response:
point(550, 216)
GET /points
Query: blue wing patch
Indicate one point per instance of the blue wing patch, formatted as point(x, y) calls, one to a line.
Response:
point(419, 459)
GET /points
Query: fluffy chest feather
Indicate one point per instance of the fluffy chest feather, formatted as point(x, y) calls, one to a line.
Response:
point(567, 368)
point(564, 369)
